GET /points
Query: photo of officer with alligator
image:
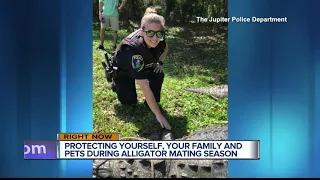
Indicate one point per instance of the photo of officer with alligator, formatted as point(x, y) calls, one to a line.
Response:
point(165, 80)
point(141, 55)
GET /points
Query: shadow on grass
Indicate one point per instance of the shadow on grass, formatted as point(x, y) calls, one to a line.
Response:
point(146, 122)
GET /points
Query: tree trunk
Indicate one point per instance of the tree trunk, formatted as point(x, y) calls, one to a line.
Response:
point(203, 8)
point(226, 8)
point(212, 9)
point(165, 7)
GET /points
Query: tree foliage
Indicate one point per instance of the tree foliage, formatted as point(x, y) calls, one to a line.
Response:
point(172, 10)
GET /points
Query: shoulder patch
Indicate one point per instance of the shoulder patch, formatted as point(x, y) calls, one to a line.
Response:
point(137, 62)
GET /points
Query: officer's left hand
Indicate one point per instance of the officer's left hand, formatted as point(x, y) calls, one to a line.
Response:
point(157, 68)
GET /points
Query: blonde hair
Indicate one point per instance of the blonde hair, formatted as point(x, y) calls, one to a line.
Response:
point(151, 16)
point(150, 10)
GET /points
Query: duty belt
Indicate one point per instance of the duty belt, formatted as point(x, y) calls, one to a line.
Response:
point(121, 72)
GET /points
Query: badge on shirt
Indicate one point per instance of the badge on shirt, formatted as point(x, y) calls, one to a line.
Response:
point(137, 62)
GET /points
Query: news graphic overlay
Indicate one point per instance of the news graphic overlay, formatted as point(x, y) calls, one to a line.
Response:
point(40, 149)
point(233, 19)
point(82, 138)
point(94, 146)
point(87, 137)
point(109, 146)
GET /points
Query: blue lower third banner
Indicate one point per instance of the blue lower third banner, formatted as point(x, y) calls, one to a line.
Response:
point(40, 149)
point(175, 150)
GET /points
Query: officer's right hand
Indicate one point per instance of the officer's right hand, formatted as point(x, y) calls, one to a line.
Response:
point(163, 122)
point(157, 68)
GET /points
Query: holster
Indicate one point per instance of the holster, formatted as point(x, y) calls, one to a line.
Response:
point(110, 70)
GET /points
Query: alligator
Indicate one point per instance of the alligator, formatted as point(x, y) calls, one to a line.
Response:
point(216, 92)
point(168, 168)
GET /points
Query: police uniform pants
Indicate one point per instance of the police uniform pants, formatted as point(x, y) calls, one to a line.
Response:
point(125, 87)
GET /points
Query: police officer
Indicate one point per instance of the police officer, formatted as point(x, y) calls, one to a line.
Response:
point(139, 58)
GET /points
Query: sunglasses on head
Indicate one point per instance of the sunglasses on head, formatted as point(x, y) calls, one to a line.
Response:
point(151, 33)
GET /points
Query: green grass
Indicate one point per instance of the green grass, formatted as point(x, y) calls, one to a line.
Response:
point(197, 58)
